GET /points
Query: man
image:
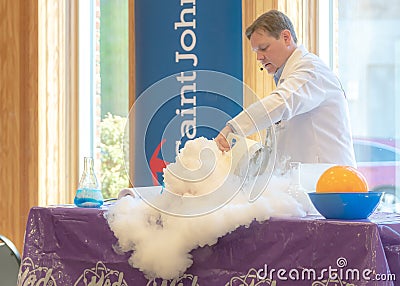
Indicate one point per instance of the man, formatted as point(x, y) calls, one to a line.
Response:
point(308, 106)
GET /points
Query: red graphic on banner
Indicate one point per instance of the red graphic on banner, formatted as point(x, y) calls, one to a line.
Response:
point(157, 165)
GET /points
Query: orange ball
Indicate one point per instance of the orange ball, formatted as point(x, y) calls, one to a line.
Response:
point(341, 179)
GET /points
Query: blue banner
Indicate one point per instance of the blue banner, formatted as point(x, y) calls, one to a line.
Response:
point(188, 77)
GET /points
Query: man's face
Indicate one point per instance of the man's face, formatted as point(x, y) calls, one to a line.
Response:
point(271, 53)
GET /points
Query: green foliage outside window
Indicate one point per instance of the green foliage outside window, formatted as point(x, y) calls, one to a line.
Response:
point(113, 175)
point(114, 60)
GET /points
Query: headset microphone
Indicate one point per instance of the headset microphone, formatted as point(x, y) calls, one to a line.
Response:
point(261, 69)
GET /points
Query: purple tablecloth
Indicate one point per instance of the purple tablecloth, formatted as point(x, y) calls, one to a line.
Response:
point(72, 246)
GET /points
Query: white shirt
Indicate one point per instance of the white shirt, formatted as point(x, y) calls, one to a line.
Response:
point(311, 108)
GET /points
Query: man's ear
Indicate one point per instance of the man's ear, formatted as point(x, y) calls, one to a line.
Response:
point(287, 36)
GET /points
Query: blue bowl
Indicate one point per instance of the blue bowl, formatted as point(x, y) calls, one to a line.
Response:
point(346, 206)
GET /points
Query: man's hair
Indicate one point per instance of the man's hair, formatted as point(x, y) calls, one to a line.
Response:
point(273, 22)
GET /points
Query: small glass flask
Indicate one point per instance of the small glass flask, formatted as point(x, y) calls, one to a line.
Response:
point(295, 188)
point(88, 194)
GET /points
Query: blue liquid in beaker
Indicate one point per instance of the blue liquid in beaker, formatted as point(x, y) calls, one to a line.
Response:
point(88, 198)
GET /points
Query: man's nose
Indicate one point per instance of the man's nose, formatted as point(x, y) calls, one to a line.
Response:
point(260, 57)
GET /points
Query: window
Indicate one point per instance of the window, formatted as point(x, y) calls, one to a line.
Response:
point(360, 41)
point(103, 89)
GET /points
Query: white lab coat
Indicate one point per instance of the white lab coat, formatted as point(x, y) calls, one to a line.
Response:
point(311, 106)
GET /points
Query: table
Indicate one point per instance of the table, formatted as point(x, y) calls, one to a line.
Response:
point(73, 246)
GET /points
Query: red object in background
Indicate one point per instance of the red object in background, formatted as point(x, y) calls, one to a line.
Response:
point(157, 165)
point(378, 161)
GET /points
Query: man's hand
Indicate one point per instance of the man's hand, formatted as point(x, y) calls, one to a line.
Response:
point(221, 141)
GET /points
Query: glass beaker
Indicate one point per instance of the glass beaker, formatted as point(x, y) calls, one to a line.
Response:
point(295, 188)
point(88, 194)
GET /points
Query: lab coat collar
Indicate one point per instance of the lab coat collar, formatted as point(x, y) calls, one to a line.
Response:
point(298, 53)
